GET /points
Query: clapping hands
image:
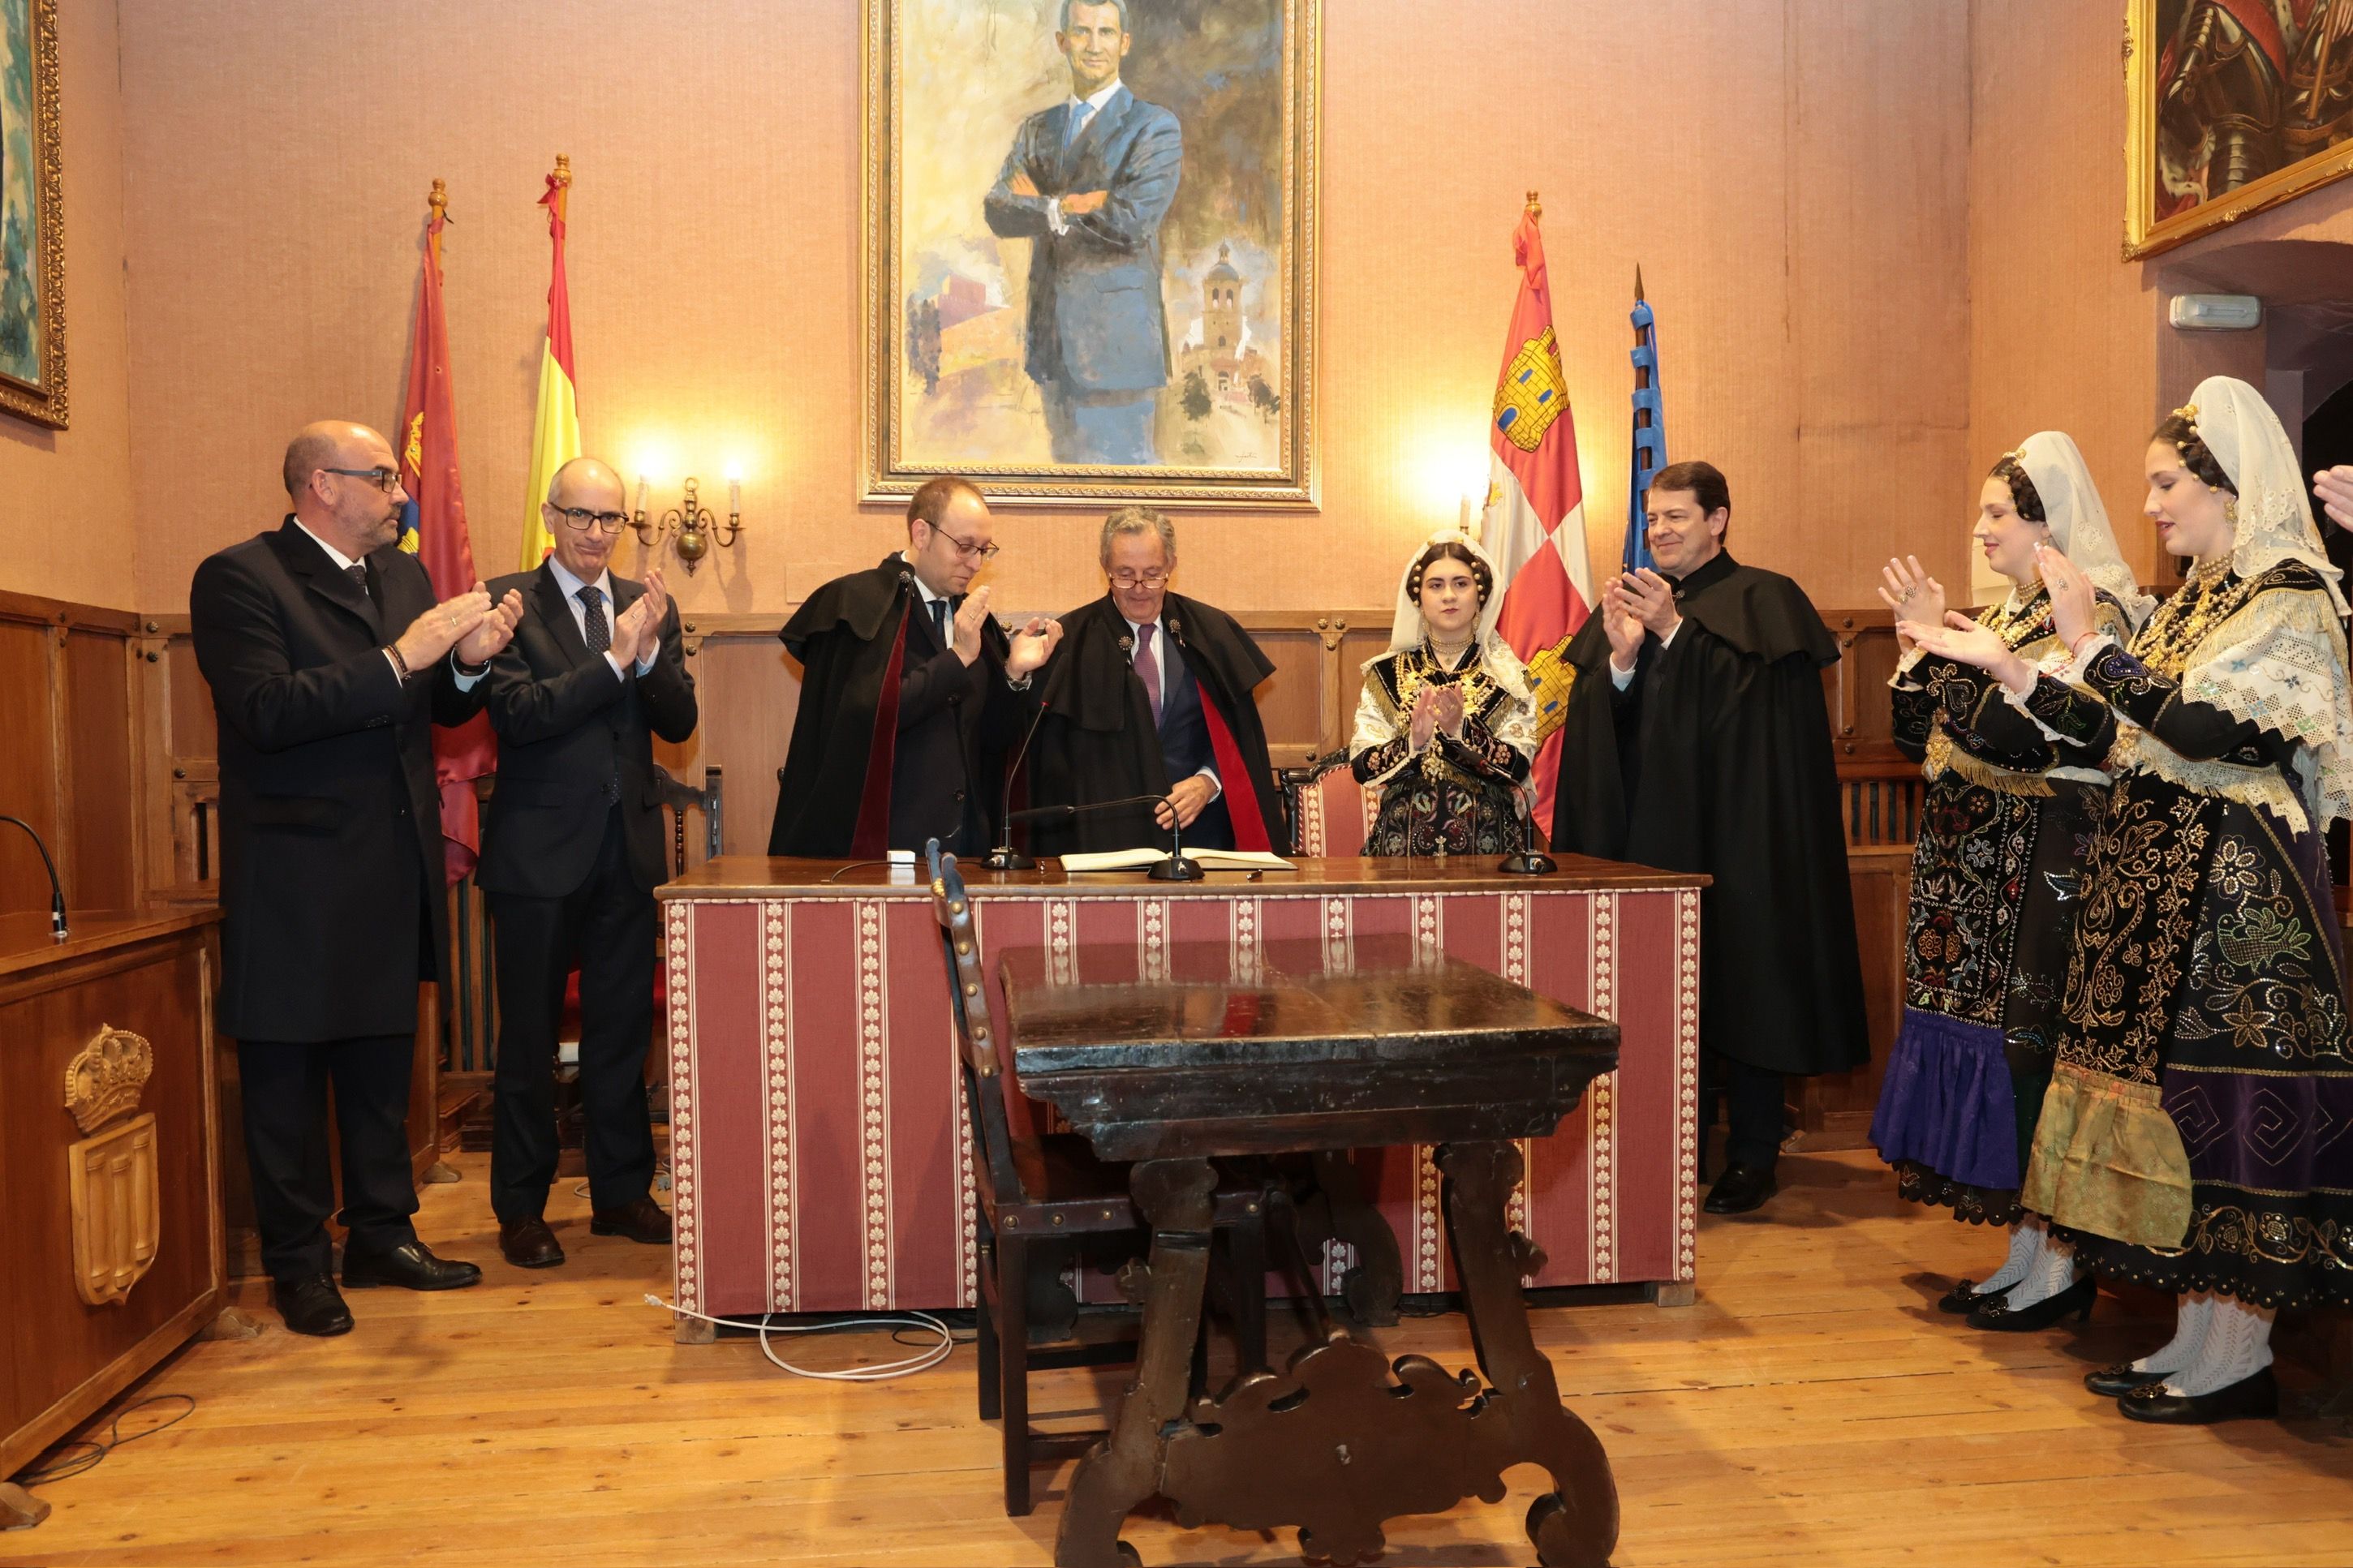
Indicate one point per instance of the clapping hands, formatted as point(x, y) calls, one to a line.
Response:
point(637, 631)
point(1435, 709)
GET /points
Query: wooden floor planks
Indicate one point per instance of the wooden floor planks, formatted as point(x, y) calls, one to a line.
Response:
point(1812, 1407)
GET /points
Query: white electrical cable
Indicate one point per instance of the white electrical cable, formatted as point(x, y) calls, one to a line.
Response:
point(922, 1360)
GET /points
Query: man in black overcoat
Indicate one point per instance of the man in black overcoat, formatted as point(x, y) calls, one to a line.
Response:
point(328, 663)
point(1697, 740)
point(571, 855)
point(1150, 694)
point(910, 694)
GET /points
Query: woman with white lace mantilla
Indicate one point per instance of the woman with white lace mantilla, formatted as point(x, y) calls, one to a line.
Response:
point(2188, 1139)
point(1446, 725)
point(1995, 874)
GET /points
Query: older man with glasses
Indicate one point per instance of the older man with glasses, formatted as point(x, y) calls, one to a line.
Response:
point(910, 694)
point(1151, 695)
point(328, 663)
point(571, 855)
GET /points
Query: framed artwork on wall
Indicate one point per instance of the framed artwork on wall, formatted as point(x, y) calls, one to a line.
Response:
point(1088, 251)
point(31, 216)
point(2231, 106)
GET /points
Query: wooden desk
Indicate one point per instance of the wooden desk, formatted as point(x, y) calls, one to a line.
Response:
point(1297, 1047)
point(109, 1177)
point(820, 1160)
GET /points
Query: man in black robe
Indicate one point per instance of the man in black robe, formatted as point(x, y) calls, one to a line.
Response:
point(1697, 740)
point(1150, 695)
point(910, 694)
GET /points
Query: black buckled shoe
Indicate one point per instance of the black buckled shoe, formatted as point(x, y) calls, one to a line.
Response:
point(1741, 1188)
point(312, 1306)
point(2115, 1382)
point(2001, 1318)
point(410, 1266)
point(1966, 1295)
point(2250, 1396)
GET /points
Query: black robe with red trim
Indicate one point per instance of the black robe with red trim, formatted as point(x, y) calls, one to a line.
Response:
point(869, 710)
point(1097, 741)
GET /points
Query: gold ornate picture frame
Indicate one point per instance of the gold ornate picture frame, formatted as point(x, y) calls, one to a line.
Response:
point(1157, 339)
point(31, 216)
point(2229, 111)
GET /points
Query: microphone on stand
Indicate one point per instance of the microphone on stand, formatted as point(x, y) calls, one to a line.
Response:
point(1005, 857)
point(1178, 867)
point(1529, 861)
point(56, 889)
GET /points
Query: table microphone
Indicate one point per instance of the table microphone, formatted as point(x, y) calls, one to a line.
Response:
point(1176, 869)
point(1529, 861)
point(56, 889)
point(1005, 857)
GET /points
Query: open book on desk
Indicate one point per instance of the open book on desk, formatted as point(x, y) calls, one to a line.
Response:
point(1208, 860)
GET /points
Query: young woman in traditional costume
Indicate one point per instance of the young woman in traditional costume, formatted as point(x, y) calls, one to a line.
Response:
point(1446, 725)
point(1995, 871)
point(2194, 1134)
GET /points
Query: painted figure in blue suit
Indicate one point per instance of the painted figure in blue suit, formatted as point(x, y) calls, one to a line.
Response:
point(1088, 183)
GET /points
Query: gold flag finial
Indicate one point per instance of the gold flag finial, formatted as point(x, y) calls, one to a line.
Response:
point(563, 169)
point(438, 202)
point(1535, 207)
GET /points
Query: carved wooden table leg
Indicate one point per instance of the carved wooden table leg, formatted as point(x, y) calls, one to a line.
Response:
point(1575, 1524)
point(1122, 1472)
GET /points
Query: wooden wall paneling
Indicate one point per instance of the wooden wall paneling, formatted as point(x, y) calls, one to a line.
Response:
point(29, 758)
point(101, 786)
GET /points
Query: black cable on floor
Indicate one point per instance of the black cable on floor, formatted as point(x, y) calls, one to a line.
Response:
point(85, 1454)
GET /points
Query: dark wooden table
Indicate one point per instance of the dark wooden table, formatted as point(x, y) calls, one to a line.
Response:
point(1304, 1050)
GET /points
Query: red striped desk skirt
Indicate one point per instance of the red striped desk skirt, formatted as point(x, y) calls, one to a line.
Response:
point(821, 1161)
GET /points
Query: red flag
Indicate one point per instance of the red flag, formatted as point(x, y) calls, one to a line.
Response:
point(1534, 526)
point(434, 530)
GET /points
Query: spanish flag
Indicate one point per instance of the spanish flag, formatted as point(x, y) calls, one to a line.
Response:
point(556, 431)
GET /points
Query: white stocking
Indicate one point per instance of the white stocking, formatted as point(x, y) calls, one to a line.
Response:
point(2238, 1344)
point(2190, 1316)
point(2053, 1271)
point(2025, 1245)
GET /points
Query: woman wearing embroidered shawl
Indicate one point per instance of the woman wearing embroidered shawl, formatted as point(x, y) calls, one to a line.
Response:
point(1446, 725)
point(2191, 1136)
point(1994, 879)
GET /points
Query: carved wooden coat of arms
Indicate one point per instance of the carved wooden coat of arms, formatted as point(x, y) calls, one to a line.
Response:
point(112, 1170)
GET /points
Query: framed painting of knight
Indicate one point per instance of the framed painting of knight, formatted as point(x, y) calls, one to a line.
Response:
point(1089, 257)
point(2233, 106)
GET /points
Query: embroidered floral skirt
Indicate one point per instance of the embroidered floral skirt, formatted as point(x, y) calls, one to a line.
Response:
point(1423, 813)
point(1994, 895)
point(2198, 1134)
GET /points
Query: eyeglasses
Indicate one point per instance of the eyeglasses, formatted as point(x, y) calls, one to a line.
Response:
point(965, 547)
point(386, 480)
point(1152, 579)
point(578, 518)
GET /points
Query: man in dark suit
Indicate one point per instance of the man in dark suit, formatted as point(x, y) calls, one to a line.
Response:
point(329, 662)
point(909, 691)
point(571, 855)
point(1088, 183)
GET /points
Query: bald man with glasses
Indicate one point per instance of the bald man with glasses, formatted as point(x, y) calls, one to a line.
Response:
point(572, 852)
point(329, 662)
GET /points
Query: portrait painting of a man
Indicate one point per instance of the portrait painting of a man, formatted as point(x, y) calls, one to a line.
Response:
point(1097, 235)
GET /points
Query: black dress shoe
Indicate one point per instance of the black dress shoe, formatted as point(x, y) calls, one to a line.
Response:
point(2255, 1395)
point(1966, 1295)
point(411, 1266)
point(641, 1220)
point(2000, 1318)
point(312, 1306)
point(529, 1243)
point(2112, 1381)
point(1741, 1188)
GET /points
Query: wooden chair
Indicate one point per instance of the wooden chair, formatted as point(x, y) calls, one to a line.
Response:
point(1037, 1189)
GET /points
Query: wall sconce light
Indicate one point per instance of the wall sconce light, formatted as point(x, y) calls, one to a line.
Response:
point(696, 527)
